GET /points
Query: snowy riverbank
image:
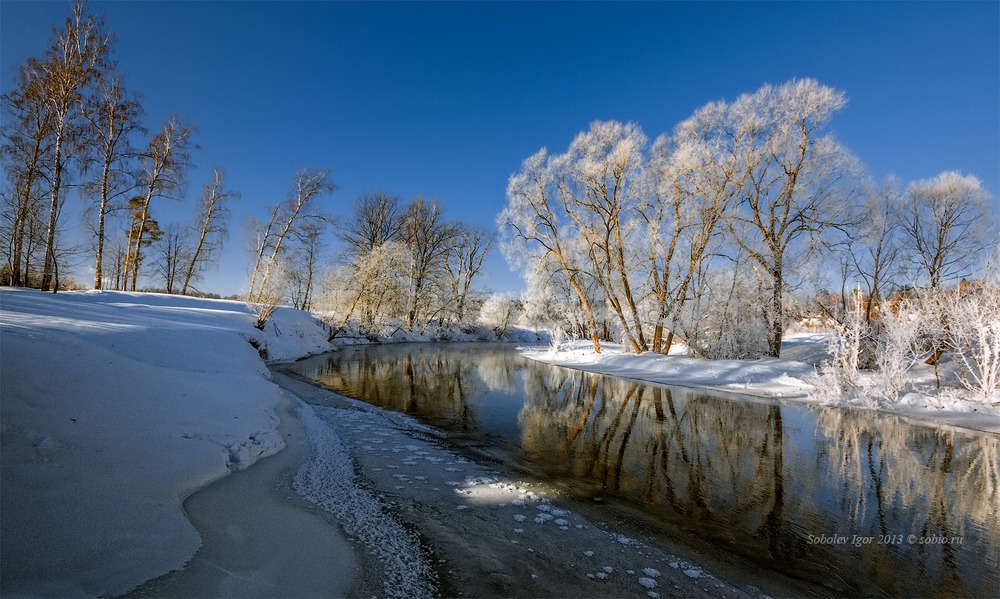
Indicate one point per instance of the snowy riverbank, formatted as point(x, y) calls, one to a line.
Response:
point(116, 407)
point(787, 378)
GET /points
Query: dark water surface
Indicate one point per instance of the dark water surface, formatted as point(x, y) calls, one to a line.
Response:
point(858, 502)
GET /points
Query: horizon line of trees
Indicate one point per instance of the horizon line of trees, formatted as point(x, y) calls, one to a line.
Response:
point(705, 234)
point(70, 123)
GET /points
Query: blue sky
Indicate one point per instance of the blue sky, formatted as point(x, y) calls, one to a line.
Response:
point(446, 99)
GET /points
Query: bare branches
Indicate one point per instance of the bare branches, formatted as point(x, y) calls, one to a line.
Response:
point(286, 221)
point(211, 227)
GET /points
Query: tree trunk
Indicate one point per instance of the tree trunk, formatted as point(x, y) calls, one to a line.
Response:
point(777, 316)
point(50, 233)
point(99, 265)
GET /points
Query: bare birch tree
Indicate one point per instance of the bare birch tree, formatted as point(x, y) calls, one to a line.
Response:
point(27, 135)
point(77, 52)
point(212, 226)
point(165, 162)
point(273, 237)
point(307, 253)
point(172, 256)
point(112, 116)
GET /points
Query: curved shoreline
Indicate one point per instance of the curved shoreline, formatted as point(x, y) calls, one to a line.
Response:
point(259, 539)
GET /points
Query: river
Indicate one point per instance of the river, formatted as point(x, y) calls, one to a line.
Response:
point(857, 503)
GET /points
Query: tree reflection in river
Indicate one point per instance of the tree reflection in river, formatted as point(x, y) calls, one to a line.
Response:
point(735, 472)
point(829, 495)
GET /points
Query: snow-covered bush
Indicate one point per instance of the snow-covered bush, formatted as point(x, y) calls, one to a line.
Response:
point(850, 348)
point(974, 319)
point(896, 338)
point(499, 312)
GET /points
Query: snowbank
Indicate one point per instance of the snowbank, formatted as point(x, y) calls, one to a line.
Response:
point(115, 408)
point(786, 378)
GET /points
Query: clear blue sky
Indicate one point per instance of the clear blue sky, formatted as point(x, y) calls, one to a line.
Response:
point(446, 99)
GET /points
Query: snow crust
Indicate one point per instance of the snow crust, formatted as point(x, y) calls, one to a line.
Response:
point(115, 407)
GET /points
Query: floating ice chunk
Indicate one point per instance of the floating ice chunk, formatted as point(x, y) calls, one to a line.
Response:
point(589, 553)
point(520, 517)
point(608, 569)
point(602, 576)
point(623, 539)
point(543, 507)
point(692, 573)
point(655, 595)
point(562, 522)
point(519, 530)
point(674, 565)
point(649, 583)
point(559, 512)
point(518, 502)
point(651, 572)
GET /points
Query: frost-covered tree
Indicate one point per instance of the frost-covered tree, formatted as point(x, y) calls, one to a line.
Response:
point(463, 262)
point(975, 330)
point(691, 186)
point(796, 182)
point(876, 246)
point(599, 182)
point(368, 286)
point(499, 312)
point(535, 229)
point(949, 226)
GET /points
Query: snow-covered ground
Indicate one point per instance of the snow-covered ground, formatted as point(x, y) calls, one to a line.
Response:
point(116, 407)
point(789, 377)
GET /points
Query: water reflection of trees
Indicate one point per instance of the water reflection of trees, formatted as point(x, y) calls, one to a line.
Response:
point(735, 471)
point(426, 382)
point(911, 480)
